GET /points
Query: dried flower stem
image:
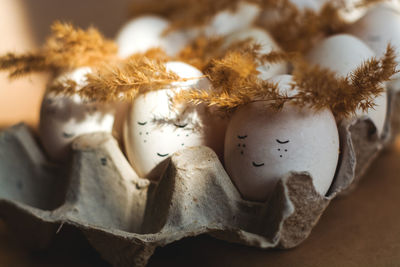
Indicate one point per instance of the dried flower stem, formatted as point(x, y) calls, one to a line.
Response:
point(66, 48)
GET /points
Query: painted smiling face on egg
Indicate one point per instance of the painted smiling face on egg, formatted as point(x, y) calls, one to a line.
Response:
point(263, 145)
point(155, 129)
point(63, 118)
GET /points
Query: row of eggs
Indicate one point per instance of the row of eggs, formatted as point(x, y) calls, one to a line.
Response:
point(257, 145)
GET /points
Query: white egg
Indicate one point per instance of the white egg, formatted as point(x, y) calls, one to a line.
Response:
point(268, 45)
point(343, 54)
point(63, 118)
point(262, 146)
point(229, 21)
point(270, 16)
point(149, 141)
point(377, 28)
point(314, 5)
point(147, 32)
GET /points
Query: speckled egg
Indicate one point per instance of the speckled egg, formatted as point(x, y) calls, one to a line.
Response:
point(63, 118)
point(155, 128)
point(263, 145)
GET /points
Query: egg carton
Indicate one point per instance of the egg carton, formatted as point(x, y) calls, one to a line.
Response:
point(126, 217)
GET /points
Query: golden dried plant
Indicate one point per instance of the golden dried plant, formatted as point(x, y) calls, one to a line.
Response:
point(298, 30)
point(123, 80)
point(236, 84)
point(184, 13)
point(201, 51)
point(66, 48)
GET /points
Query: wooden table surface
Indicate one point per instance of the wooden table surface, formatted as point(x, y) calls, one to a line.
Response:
point(361, 229)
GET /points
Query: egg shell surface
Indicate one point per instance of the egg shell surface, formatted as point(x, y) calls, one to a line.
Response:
point(263, 38)
point(263, 145)
point(149, 141)
point(229, 21)
point(379, 27)
point(63, 118)
point(143, 33)
point(342, 54)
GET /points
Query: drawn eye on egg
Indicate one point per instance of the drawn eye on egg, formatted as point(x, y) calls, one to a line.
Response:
point(181, 125)
point(257, 164)
point(142, 123)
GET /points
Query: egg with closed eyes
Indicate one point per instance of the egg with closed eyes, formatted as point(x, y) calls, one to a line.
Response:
point(143, 33)
point(263, 145)
point(380, 26)
point(342, 54)
point(267, 45)
point(63, 118)
point(155, 128)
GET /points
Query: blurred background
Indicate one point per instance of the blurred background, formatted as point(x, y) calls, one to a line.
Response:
point(361, 229)
point(24, 25)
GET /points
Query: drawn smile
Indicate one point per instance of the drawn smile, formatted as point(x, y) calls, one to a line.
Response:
point(257, 165)
point(282, 142)
point(162, 155)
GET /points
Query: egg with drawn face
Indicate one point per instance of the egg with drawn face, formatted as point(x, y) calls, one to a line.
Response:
point(155, 128)
point(267, 45)
point(263, 145)
point(147, 32)
point(342, 54)
point(63, 118)
point(380, 26)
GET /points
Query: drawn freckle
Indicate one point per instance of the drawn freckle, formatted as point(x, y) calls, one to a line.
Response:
point(183, 144)
point(280, 156)
point(285, 150)
point(147, 133)
point(279, 149)
point(238, 145)
point(178, 135)
point(145, 141)
point(244, 145)
point(187, 135)
point(241, 152)
point(140, 133)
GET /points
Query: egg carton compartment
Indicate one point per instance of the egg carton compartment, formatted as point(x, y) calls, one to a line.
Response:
point(360, 143)
point(126, 217)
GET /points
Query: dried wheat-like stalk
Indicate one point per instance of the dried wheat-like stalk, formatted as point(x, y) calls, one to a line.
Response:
point(123, 81)
point(66, 48)
point(236, 84)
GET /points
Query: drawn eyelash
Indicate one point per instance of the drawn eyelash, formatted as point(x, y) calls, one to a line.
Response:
point(180, 126)
point(257, 165)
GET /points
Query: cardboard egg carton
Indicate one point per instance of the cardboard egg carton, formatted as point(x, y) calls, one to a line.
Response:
point(126, 217)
